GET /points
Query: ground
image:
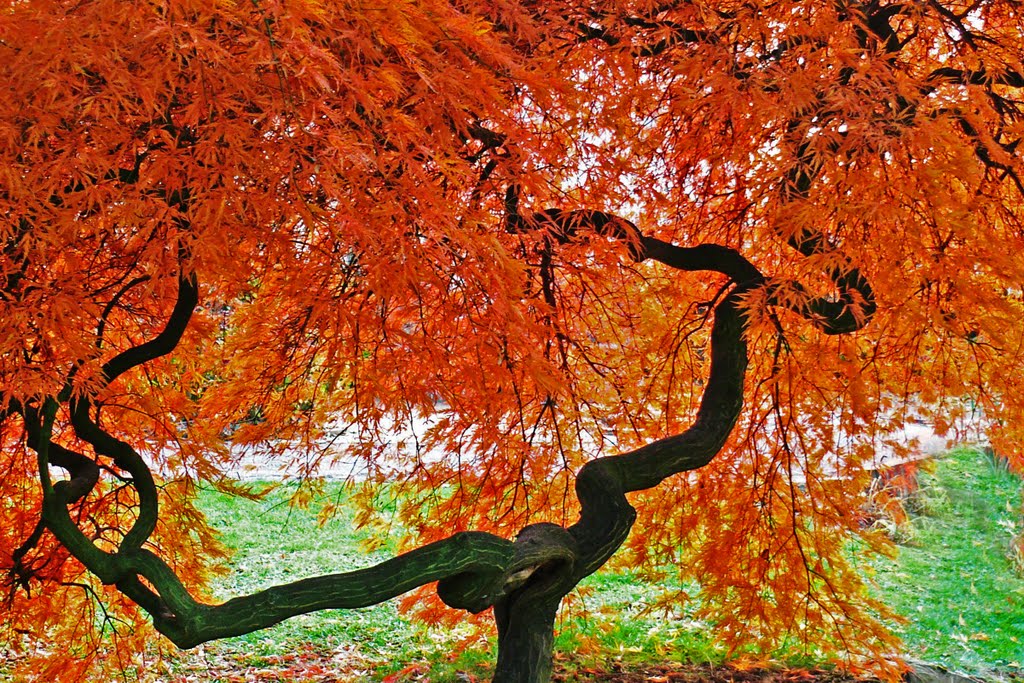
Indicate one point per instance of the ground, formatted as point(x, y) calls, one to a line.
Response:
point(312, 667)
point(327, 670)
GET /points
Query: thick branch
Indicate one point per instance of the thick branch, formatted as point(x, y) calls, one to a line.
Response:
point(606, 516)
point(713, 257)
point(124, 456)
point(469, 553)
point(84, 473)
point(109, 567)
point(127, 459)
point(479, 569)
point(166, 340)
point(55, 514)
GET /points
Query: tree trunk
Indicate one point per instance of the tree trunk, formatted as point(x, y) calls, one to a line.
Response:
point(526, 638)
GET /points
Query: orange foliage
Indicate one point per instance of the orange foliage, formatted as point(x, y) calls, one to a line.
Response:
point(339, 179)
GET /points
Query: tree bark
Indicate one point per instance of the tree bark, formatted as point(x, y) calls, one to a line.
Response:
point(544, 569)
point(525, 639)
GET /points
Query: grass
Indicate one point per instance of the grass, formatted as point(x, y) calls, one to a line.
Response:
point(953, 580)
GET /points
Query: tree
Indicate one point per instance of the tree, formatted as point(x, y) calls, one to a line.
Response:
point(745, 240)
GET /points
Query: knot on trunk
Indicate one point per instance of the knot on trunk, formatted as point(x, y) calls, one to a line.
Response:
point(543, 558)
point(543, 552)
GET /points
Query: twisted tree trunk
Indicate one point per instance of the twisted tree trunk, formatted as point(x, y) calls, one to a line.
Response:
point(525, 618)
point(525, 639)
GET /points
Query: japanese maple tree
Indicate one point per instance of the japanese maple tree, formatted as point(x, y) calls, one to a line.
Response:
point(591, 245)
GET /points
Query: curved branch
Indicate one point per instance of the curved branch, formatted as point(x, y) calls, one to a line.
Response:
point(606, 517)
point(126, 458)
point(84, 471)
point(104, 443)
point(109, 567)
point(465, 554)
point(714, 257)
point(168, 338)
point(474, 570)
point(856, 302)
point(39, 425)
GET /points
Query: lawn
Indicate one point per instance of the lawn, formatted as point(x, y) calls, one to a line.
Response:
point(953, 579)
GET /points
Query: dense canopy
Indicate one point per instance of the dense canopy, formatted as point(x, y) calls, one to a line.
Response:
point(532, 236)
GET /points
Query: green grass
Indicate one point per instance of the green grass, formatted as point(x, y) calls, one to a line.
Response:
point(954, 580)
